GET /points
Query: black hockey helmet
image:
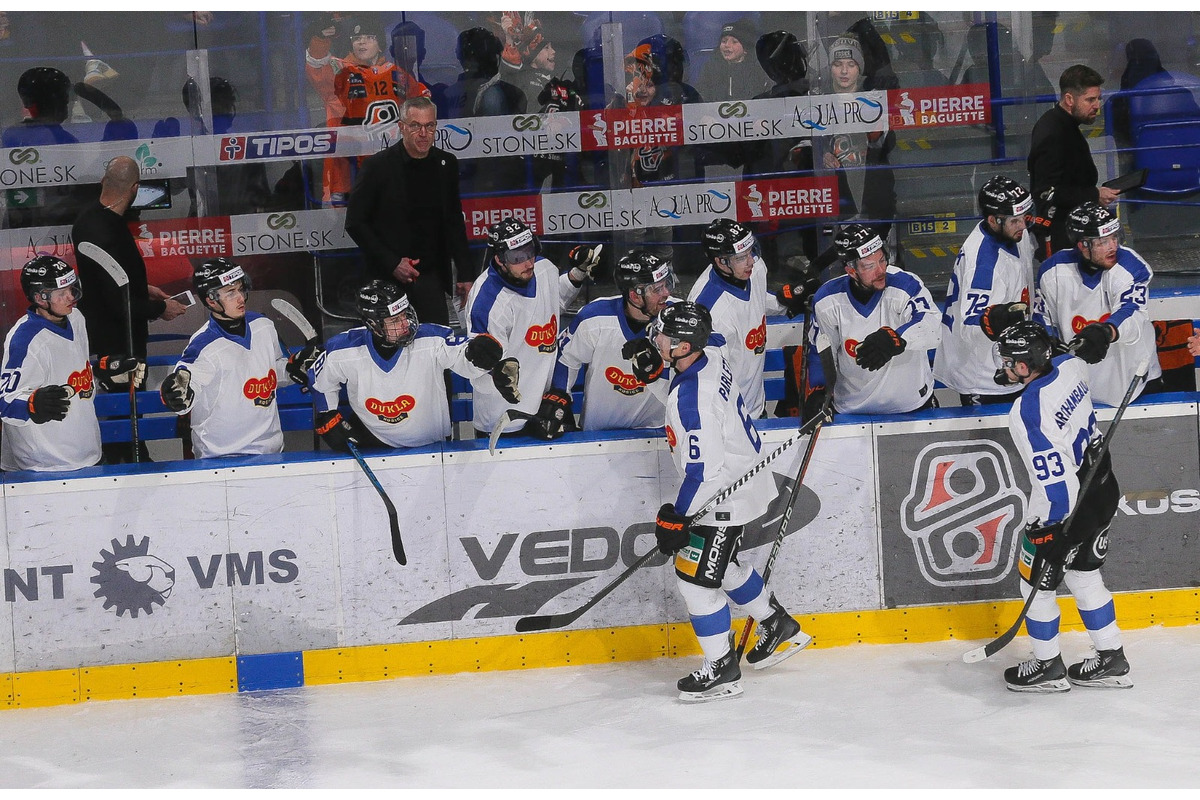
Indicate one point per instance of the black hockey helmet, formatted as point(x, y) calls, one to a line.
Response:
point(1091, 221)
point(44, 274)
point(513, 241)
point(724, 238)
point(1025, 341)
point(45, 92)
point(855, 241)
point(638, 269)
point(215, 274)
point(781, 56)
point(1003, 197)
point(683, 322)
point(378, 302)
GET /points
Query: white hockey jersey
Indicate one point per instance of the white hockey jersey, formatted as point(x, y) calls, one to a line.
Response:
point(612, 396)
point(1052, 422)
point(988, 271)
point(740, 315)
point(526, 323)
point(39, 353)
point(402, 399)
point(714, 443)
point(840, 322)
point(235, 379)
point(1070, 296)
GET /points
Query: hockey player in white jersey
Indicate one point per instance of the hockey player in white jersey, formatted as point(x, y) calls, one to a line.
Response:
point(714, 442)
point(229, 371)
point(606, 334)
point(1096, 292)
point(873, 328)
point(1053, 425)
point(990, 289)
point(519, 299)
point(734, 288)
point(393, 371)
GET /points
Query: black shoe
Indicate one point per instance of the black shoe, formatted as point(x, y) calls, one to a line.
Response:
point(716, 680)
point(775, 632)
point(1036, 675)
point(1105, 668)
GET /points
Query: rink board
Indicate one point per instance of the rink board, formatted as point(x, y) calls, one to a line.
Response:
point(270, 572)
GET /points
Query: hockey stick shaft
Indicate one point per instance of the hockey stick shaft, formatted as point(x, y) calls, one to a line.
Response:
point(502, 423)
point(296, 318)
point(393, 521)
point(1001, 641)
point(542, 622)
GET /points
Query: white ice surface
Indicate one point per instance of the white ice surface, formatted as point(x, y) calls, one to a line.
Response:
point(889, 717)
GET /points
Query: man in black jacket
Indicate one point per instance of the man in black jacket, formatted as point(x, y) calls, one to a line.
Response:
point(406, 215)
point(1062, 174)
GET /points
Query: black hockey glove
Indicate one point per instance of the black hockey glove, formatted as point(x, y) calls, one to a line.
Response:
point(506, 375)
point(583, 260)
point(671, 529)
point(554, 417)
point(115, 372)
point(484, 351)
point(1051, 542)
point(334, 430)
point(1091, 343)
point(50, 404)
point(995, 319)
point(879, 348)
point(644, 358)
point(176, 391)
point(302, 361)
point(794, 297)
point(559, 95)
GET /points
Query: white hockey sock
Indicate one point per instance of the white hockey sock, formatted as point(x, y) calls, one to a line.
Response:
point(1096, 608)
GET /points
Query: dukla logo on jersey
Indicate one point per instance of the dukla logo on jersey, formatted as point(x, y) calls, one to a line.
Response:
point(963, 513)
point(261, 390)
point(851, 348)
point(756, 340)
point(391, 411)
point(623, 382)
point(1078, 322)
point(543, 337)
point(82, 382)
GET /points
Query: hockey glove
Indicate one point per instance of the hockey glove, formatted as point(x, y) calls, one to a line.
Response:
point(995, 319)
point(484, 351)
point(176, 391)
point(1091, 343)
point(506, 375)
point(559, 95)
point(302, 361)
point(794, 297)
point(50, 404)
point(334, 430)
point(554, 417)
point(115, 372)
point(583, 261)
point(878, 348)
point(671, 529)
point(644, 358)
point(1051, 542)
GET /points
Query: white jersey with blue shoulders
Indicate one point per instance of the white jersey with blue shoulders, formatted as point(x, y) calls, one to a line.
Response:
point(714, 443)
point(1052, 422)
point(840, 322)
point(1070, 296)
point(612, 396)
point(525, 321)
point(989, 271)
point(402, 399)
point(739, 313)
point(235, 379)
point(39, 353)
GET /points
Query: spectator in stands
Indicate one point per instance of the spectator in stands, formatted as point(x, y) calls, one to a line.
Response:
point(1141, 61)
point(731, 72)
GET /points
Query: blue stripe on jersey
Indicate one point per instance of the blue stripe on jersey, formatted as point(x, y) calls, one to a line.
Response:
point(905, 282)
point(748, 591)
point(1040, 630)
point(1061, 257)
point(838, 285)
point(1097, 618)
point(717, 286)
point(427, 330)
point(1031, 417)
point(206, 336)
point(348, 340)
point(713, 624)
point(18, 347)
point(604, 307)
point(485, 300)
point(985, 262)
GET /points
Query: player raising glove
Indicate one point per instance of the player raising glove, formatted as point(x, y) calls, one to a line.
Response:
point(878, 348)
point(302, 361)
point(560, 95)
point(176, 391)
point(995, 319)
point(794, 297)
point(334, 430)
point(115, 372)
point(554, 417)
point(1091, 343)
point(50, 404)
point(583, 260)
point(644, 358)
point(671, 529)
point(485, 352)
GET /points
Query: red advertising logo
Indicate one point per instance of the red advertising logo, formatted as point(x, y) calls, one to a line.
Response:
point(628, 128)
point(391, 410)
point(543, 337)
point(787, 198)
point(261, 390)
point(623, 382)
point(936, 106)
point(756, 339)
point(483, 212)
point(81, 381)
point(194, 237)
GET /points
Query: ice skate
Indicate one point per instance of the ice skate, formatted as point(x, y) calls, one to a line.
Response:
point(716, 680)
point(1105, 668)
point(1036, 675)
point(779, 637)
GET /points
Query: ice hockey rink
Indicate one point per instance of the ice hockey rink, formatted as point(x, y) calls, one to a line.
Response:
point(868, 716)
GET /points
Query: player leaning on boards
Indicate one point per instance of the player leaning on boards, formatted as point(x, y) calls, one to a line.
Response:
point(990, 289)
point(229, 371)
point(1053, 425)
point(714, 442)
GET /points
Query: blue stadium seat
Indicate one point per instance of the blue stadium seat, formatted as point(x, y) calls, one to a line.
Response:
point(1166, 132)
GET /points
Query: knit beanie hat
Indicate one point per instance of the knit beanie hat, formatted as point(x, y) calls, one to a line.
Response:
point(740, 31)
point(847, 47)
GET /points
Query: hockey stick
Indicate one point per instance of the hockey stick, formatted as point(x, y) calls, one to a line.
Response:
point(121, 279)
point(505, 418)
point(397, 543)
point(542, 622)
point(1001, 641)
point(783, 524)
point(293, 315)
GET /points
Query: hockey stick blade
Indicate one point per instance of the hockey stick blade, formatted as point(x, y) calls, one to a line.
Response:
point(296, 318)
point(106, 262)
point(498, 429)
point(545, 622)
point(393, 522)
